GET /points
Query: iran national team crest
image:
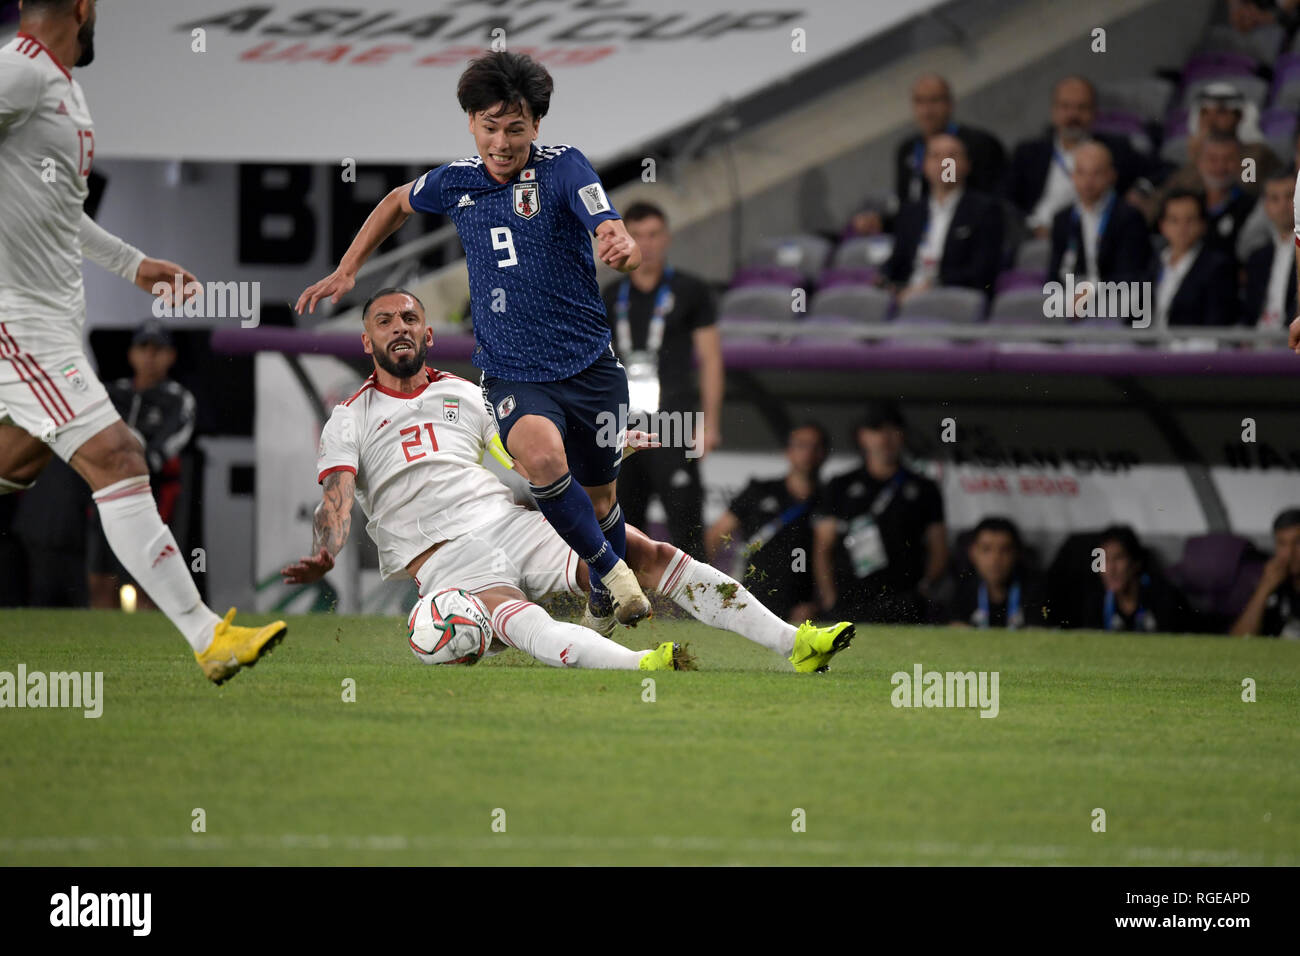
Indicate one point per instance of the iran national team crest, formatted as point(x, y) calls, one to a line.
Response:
point(74, 377)
point(451, 410)
point(527, 202)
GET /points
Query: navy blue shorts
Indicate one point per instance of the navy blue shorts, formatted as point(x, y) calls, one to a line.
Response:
point(589, 409)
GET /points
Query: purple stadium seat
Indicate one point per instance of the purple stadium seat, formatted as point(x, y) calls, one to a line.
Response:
point(1212, 571)
point(1287, 67)
point(1125, 124)
point(836, 276)
point(1013, 280)
point(1220, 63)
point(1176, 123)
point(747, 276)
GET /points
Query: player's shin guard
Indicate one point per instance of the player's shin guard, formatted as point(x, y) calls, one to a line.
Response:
point(566, 506)
point(526, 626)
point(710, 596)
point(148, 551)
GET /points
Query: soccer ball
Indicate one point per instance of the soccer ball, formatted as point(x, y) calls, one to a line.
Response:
point(450, 626)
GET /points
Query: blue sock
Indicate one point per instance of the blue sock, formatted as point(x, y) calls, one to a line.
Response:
point(566, 506)
point(614, 528)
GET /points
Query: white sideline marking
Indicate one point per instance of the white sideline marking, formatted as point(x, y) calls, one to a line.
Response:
point(795, 844)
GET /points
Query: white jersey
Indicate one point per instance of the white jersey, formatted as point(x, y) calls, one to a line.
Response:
point(418, 464)
point(47, 145)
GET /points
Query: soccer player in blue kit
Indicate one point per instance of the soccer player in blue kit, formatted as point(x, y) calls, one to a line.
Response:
point(525, 214)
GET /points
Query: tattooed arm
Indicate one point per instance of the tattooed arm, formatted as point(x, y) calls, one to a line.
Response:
point(329, 529)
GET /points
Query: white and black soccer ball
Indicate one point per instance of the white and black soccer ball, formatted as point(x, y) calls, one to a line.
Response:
point(450, 626)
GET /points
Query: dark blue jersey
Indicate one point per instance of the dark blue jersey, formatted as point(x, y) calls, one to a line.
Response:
point(538, 313)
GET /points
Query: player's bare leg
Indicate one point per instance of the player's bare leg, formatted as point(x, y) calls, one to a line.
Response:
point(519, 623)
point(535, 442)
point(22, 459)
point(113, 464)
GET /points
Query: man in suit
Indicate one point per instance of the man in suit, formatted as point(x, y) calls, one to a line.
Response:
point(1039, 180)
point(1227, 202)
point(951, 238)
point(1098, 237)
point(1194, 283)
point(932, 108)
point(1269, 300)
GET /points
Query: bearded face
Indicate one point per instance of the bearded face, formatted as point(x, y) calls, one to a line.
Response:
point(403, 357)
point(86, 40)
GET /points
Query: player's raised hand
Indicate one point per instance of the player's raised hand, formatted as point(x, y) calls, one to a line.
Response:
point(153, 273)
point(1293, 339)
point(617, 249)
point(334, 287)
point(309, 569)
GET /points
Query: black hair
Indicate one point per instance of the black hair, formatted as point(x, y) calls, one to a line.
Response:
point(821, 431)
point(391, 290)
point(1127, 539)
point(998, 525)
point(1287, 519)
point(510, 79)
point(1176, 195)
point(643, 210)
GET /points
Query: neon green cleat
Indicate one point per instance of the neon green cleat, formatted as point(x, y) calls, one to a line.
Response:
point(668, 657)
point(815, 646)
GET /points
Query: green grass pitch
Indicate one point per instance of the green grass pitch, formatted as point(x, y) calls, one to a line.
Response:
point(1153, 730)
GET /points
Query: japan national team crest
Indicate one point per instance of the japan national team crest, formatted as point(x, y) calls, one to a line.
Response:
point(451, 410)
point(527, 202)
point(505, 406)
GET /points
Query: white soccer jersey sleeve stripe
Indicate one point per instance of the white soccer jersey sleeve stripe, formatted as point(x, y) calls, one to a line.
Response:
point(338, 444)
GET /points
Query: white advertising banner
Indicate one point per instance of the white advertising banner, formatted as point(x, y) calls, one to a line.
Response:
point(302, 81)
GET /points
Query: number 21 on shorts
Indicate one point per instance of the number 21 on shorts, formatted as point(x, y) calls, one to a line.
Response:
point(501, 239)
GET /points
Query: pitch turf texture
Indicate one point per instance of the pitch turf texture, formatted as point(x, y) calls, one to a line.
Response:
point(1153, 730)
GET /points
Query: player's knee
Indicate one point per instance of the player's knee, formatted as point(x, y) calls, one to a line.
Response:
point(544, 465)
point(121, 459)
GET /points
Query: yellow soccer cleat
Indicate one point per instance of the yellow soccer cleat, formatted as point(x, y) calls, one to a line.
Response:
point(815, 646)
point(668, 657)
point(235, 647)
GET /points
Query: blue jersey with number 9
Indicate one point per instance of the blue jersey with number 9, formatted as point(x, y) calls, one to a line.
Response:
point(538, 314)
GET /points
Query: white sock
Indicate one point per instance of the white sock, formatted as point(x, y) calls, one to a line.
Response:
point(526, 626)
point(710, 596)
point(148, 551)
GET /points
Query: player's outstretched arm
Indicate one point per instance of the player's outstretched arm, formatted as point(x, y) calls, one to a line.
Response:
point(384, 220)
point(329, 529)
point(615, 246)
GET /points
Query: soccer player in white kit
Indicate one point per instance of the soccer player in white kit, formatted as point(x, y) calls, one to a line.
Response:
point(51, 402)
point(409, 446)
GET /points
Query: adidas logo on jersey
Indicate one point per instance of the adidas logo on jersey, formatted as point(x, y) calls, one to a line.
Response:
point(464, 201)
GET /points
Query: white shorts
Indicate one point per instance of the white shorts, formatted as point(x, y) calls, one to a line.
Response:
point(522, 551)
point(49, 389)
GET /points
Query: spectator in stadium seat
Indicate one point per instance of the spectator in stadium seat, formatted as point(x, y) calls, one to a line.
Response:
point(999, 591)
point(664, 321)
point(1222, 111)
point(1193, 283)
point(953, 237)
point(1274, 608)
point(160, 413)
point(1227, 202)
point(1269, 297)
point(1134, 596)
point(1098, 237)
point(774, 520)
point(879, 542)
point(932, 109)
point(1039, 179)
